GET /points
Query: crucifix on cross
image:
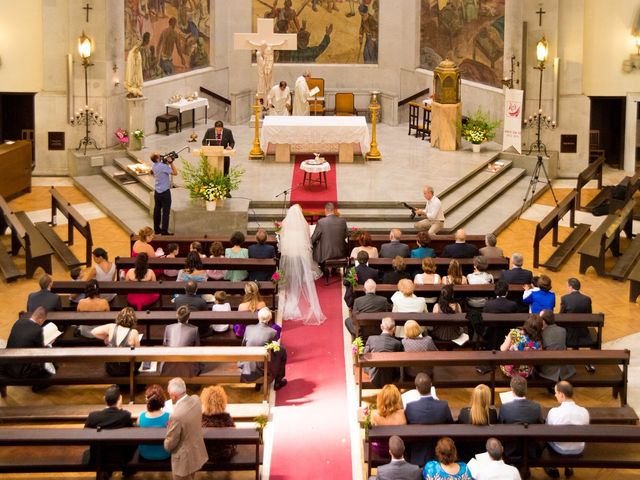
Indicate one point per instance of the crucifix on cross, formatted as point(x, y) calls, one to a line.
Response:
point(540, 12)
point(87, 8)
point(264, 41)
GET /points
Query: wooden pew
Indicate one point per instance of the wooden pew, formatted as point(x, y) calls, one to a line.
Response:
point(605, 237)
point(249, 264)
point(593, 171)
point(456, 369)
point(634, 283)
point(460, 291)
point(551, 223)
point(151, 323)
point(442, 264)
point(267, 289)
point(438, 242)
point(39, 450)
point(606, 447)
point(505, 320)
point(85, 365)
point(74, 220)
point(184, 241)
point(25, 235)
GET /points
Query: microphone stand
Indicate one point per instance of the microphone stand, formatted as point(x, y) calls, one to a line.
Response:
point(285, 201)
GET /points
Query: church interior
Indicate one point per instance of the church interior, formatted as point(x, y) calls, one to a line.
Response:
point(90, 90)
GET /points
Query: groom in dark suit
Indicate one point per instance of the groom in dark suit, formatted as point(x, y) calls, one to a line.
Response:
point(220, 136)
point(329, 237)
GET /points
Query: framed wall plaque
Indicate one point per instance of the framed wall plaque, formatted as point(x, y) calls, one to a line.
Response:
point(56, 140)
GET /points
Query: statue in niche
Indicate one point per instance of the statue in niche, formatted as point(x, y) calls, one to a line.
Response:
point(133, 74)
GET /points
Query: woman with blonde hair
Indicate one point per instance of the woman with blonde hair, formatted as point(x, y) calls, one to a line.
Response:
point(415, 341)
point(404, 300)
point(122, 333)
point(214, 414)
point(389, 411)
point(454, 274)
point(145, 235)
point(480, 412)
point(428, 277)
point(252, 302)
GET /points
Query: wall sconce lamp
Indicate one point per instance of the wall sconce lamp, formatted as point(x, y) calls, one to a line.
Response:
point(633, 62)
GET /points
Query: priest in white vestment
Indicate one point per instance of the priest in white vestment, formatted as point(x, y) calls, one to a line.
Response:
point(279, 99)
point(302, 94)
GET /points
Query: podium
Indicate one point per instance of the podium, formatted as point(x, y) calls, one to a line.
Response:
point(215, 155)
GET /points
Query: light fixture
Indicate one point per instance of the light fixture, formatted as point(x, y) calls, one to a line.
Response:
point(633, 62)
point(542, 50)
point(85, 48)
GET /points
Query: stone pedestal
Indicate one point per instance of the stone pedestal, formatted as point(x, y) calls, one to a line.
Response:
point(446, 122)
point(135, 114)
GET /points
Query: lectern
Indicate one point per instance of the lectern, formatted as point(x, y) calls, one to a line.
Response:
point(215, 155)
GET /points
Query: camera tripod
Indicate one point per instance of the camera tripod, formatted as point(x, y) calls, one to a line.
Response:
point(533, 183)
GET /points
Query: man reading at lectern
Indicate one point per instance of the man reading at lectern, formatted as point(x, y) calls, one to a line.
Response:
point(220, 136)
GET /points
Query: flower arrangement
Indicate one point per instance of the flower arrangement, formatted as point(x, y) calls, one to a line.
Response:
point(354, 233)
point(261, 422)
point(208, 183)
point(366, 417)
point(357, 347)
point(278, 226)
point(479, 128)
point(123, 136)
point(278, 277)
point(138, 133)
point(352, 277)
point(272, 346)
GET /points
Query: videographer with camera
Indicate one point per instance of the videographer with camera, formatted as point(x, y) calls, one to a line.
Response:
point(162, 169)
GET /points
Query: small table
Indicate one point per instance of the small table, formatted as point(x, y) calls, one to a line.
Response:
point(186, 105)
point(309, 167)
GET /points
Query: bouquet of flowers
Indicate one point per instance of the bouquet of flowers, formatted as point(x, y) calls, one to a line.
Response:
point(278, 277)
point(138, 133)
point(272, 346)
point(357, 347)
point(354, 233)
point(123, 136)
point(479, 128)
point(352, 277)
point(207, 183)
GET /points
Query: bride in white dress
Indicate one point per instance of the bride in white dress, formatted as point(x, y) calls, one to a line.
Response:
point(300, 270)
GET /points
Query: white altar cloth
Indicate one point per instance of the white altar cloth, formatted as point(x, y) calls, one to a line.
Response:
point(314, 130)
point(184, 105)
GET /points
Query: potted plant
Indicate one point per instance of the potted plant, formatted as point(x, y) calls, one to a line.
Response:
point(479, 129)
point(136, 139)
point(211, 185)
point(123, 137)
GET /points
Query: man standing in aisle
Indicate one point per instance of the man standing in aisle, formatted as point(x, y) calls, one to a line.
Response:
point(162, 172)
point(302, 94)
point(432, 211)
point(221, 137)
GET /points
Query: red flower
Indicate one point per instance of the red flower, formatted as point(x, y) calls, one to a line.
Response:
point(275, 277)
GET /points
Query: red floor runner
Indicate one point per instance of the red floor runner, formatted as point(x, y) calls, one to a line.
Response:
point(311, 435)
point(313, 197)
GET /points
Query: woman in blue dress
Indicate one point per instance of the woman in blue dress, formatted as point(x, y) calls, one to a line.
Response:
point(446, 467)
point(154, 417)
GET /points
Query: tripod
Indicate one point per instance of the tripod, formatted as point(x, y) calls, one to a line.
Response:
point(533, 183)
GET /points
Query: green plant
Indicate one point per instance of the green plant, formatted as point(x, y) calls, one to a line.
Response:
point(272, 346)
point(139, 133)
point(352, 277)
point(479, 128)
point(261, 422)
point(357, 347)
point(208, 183)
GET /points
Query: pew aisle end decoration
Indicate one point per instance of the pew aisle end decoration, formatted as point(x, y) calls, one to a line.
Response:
point(272, 346)
point(354, 234)
point(209, 184)
point(357, 347)
point(352, 277)
point(479, 129)
point(278, 277)
point(261, 422)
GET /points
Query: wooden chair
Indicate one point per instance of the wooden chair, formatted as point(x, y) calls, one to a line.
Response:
point(316, 106)
point(345, 104)
point(420, 120)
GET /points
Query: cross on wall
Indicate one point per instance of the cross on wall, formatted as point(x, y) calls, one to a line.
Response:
point(87, 8)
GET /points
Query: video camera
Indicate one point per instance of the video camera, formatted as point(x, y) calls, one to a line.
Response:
point(168, 158)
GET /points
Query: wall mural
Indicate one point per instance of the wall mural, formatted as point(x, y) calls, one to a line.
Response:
point(469, 32)
point(329, 31)
point(173, 35)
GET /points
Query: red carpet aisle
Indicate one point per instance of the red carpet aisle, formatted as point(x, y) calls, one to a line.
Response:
point(311, 426)
point(312, 198)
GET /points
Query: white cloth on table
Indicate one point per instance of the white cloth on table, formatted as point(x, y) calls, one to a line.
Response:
point(309, 167)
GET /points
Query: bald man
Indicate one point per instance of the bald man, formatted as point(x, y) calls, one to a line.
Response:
point(394, 248)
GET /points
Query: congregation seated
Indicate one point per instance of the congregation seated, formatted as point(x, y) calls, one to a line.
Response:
point(216, 250)
point(398, 468)
point(236, 251)
point(460, 249)
point(539, 295)
point(526, 338)
point(364, 245)
point(367, 303)
point(154, 417)
point(446, 466)
point(193, 269)
point(394, 247)
point(92, 301)
point(102, 270)
point(398, 273)
point(404, 300)
point(110, 418)
point(251, 302)
point(190, 298)
point(554, 337)
point(121, 334)
point(494, 467)
point(27, 333)
point(214, 414)
point(422, 251)
point(197, 247)
point(363, 272)
point(454, 274)
point(44, 297)
point(389, 411)
point(416, 341)
point(181, 334)
point(261, 249)
point(141, 273)
point(446, 304)
point(479, 276)
point(490, 250)
point(143, 243)
point(172, 252)
point(480, 412)
point(385, 342)
point(516, 274)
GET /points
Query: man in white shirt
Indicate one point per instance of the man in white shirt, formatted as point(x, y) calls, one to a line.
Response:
point(494, 467)
point(432, 211)
point(567, 413)
point(302, 94)
point(279, 99)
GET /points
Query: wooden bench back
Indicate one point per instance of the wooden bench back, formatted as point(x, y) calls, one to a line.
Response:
point(75, 220)
point(184, 241)
point(460, 291)
point(593, 170)
point(552, 221)
point(18, 232)
point(251, 264)
point(442, 264)
point(438, 242)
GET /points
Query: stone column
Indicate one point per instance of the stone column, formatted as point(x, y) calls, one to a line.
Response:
point(135, 114)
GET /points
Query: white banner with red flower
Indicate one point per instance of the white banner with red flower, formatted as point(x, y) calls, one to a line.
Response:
point(512, 136)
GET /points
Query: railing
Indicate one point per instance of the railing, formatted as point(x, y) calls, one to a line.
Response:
point(215, 95)
point(414, 96)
